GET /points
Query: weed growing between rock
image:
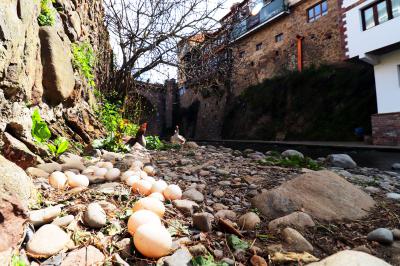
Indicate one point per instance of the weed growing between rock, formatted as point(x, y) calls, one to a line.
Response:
point(46, 16)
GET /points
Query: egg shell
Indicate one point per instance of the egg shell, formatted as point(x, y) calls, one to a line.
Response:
point(143, 174)
point(108, 165)
point(153, 241)
point(89, 170)
point(172, 192)
point(150, 204)
point(142, 217)
point(58, 180)
point(157, 195)
point(113, 174)
point(142, 187)
point(149, 170)
point(100, 171)
point(127, 174)
point(131, 179)
point(78, 181)
point(150, 179)
point(159, 186)
point(69, 174)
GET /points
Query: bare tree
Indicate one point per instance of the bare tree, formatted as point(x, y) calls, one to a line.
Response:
point(147, 33)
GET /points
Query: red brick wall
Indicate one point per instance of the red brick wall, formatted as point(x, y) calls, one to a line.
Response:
point(386, 129)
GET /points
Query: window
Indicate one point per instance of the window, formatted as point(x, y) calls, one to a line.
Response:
point(317, 11)
point(241, 54)
point(379, 13)
point(258, 46)
point(279, 37)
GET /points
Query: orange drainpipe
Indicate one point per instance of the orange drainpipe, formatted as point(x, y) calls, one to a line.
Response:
point(299, 52)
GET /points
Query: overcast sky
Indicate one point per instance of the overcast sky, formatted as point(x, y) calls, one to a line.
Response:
point(163, 72)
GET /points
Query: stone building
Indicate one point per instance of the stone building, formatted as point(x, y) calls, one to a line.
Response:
point(283, 35)
point(372, 34)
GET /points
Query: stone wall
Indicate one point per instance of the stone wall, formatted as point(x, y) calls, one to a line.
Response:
point(321, 44)
point(36, 68)
point(386, 129)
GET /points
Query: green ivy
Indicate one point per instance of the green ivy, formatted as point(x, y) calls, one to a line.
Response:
point(154, 143)
point(40, 131)
point(59, 146)
point(84, 60)
point(291, 161)
point(46, 16)
point(17, 261)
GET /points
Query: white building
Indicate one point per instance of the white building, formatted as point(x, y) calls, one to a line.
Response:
point(372, 34)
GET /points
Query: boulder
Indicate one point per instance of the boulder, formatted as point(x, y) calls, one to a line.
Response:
point(16, 151)
point(13, 180)
point(322, 194)
point(341, 160)
point(58, 75)
point(350, 258)
point(13, 216)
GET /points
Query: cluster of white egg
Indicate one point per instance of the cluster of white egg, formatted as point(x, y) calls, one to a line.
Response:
point(102, 171)
point(151, 238)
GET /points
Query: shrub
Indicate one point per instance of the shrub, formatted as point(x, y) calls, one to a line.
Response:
point(292, 161)
point(46, 16)
point(84, 60)
point(154, 143)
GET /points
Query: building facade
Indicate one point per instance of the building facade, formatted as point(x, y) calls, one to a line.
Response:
point(284, 35)
point(372, 34)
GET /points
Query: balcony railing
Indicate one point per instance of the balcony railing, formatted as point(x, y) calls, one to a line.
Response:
point(267, 13)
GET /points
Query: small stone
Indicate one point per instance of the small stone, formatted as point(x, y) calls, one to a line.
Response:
point(184, 241)
point(95, 216)
point(63, 221)
point(50, 167)
point(396, 234)
point(341, 160)
point(249, 221)
point(292, 153)
point(185, 161)
point(204, 173)
point(185, 206)
point(258, 261)
point(219, 206)
point(226, 214)
point(203, 221)
point(393, 196)
point(43, 216)
point(240, 255)
point(198, 250)
point(124, 247)
point(84, 256)
point(47, 241)
point(37, 172)
point(296, 241)
point(228, 261)
point(218, 193)
point(362, 249)
point(181, 257)
point(222, 172)
point(193, 194)
point(372, 190)
point(298, 220)
point(224, 183)
point(381, 235)
point(396, 166)
point(218, 254)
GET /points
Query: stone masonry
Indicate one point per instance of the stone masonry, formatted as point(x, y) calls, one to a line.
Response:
point(386, 129)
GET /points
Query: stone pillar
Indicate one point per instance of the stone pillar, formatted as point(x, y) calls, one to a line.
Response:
point(386, 129)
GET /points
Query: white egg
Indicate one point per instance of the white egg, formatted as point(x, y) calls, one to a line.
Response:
point(142, 217)
point(149, 179)
point(131, 179)
point(143, 174)
point(78, 181)
point(149, 170)
point(89, 170)
point(159, 186)
point(150, 204)
point(127, 174)
point(100, 171)
point(142, 187)
point(172, 192)
point(157, 195)
point(113, 174)
point(153, 241)
point(107, 165)
point(58, 180)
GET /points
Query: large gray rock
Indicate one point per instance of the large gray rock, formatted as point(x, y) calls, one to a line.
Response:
point(341, 160)
point(13, 180)
point(58, 75)
point(322, 194)
point(350, 258)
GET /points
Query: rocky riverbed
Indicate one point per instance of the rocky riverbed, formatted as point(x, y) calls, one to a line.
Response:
point(237, 208)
